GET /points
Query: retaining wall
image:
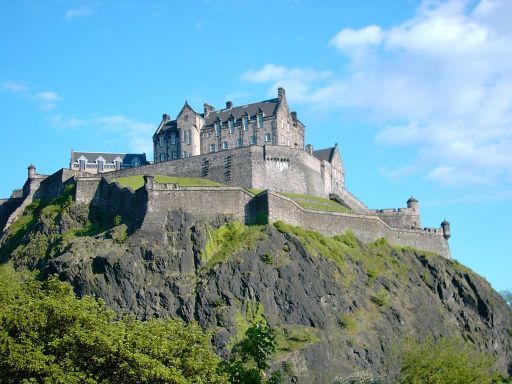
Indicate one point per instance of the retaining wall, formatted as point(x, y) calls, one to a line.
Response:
point(367, 228)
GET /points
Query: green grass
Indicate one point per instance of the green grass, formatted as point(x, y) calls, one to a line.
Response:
point(255, 191)
point(375, 257)
point(227, 240)
point(295, 337)
point(317, 203)
point(136, 182)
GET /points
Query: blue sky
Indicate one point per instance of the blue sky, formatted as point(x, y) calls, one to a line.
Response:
point(418, 94)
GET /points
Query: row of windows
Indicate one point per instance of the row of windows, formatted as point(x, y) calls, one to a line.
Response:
point(232, 122)
point(239, 143)
point(187, 138)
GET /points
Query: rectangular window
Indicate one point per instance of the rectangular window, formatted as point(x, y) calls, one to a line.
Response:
point(245, 122)
point(225, 145)
point(239, 142)
point(184, 154)
point(217, 128)
point(253, 139)
point(189, 138)
point(282, 139)
point(185, 117)
point(162, 140)
point(185, 134)
point(288, 127)
point(162, 157)
point(231, 125)
point(174, 155)
point(260, 120)
point(211, 148)
point(288, 142)
point(173, 139)
point(267, 137)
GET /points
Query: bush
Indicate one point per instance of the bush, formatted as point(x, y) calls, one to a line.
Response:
point(358, 378)
point(47, 335)
point(445, 361)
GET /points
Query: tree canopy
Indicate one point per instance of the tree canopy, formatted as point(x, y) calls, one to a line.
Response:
point(47, 335)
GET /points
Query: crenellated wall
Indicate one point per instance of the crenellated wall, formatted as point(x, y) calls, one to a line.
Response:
point(149, 209)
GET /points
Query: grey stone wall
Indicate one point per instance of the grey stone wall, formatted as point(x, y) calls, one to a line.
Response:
point(365, 227)
point(400, 217)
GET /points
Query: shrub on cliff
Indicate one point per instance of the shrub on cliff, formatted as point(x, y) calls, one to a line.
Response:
point(47, 335)
point(446, 361)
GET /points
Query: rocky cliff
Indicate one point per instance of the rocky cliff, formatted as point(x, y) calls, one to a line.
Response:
point(337, 305)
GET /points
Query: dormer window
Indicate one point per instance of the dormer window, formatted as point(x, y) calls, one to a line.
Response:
point(245, 122)
point(217, 128)
point(136, 162)
point(231, 125)
point(260, 120)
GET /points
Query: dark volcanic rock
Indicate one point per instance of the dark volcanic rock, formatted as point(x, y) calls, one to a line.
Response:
point(334, 314)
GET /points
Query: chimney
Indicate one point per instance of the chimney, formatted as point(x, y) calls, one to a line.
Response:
point(166, 117)
point(309, 149)
point(280, 93)
point(207, 109)
point(229, 104)
point(294, 115)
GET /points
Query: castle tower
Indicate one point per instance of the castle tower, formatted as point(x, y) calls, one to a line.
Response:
point(414, 206)
point(446, 229)
point(189, 124)
point(31, 171)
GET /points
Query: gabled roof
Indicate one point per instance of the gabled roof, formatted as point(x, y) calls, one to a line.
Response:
point(127, 158)
point(268, 107)
point(325, 154)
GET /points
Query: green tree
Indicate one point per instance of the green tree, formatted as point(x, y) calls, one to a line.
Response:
point(250, 357)
point(445, 361)
point(47, 335)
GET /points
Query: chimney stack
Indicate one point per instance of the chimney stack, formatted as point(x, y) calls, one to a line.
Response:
point(309, 149)
point(166, 117)
point(229, 104)
point(280, 93)
point(207, 109)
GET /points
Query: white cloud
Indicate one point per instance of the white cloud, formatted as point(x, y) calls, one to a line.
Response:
point(80, 11)
point(47, 96)
point(14, 86)
point(440, 82)
point(349, 38)
point(297, 81)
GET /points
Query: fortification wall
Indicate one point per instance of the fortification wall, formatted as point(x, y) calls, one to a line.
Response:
point(232, 167)
point(365, 227)
point(287, 169)
point(399, 218)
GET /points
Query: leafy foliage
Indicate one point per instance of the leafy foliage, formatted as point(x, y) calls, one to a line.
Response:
point(446, 361)
point(47, 335)
point(358, 378)
point(228, 240)
point(250, 357)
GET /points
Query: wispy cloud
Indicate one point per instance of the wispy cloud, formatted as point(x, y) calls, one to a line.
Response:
point(439, 81)
point(298, 81)
point(14, 86)
point(47, 100)
point(81, 11)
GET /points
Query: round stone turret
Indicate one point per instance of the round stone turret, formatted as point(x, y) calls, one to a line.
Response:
point(31, 171)
point(413, 203)
point(446, 229)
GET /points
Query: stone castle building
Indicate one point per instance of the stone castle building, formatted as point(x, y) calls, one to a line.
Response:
point(257, 152)
point(101, 162)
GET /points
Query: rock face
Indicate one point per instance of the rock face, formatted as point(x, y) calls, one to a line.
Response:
point(337, 305)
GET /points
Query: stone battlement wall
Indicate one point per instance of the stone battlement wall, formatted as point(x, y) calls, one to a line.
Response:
point(399, 217)
point(259, 167)
point(366, 227)
point(149, 209)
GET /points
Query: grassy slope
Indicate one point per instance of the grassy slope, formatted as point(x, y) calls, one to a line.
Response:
point(136, 182)
point(315, 202)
